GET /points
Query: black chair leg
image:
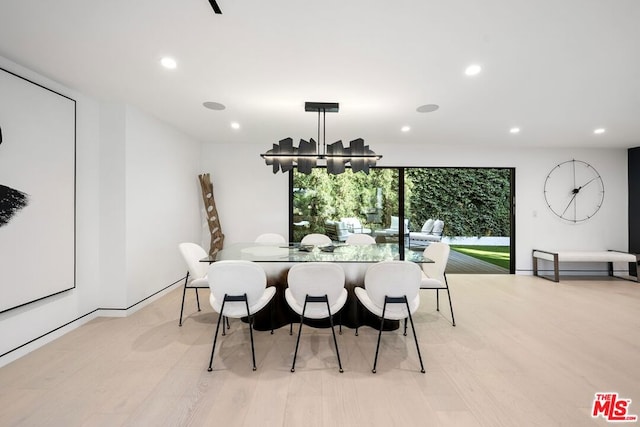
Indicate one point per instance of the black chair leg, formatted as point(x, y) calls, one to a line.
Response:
point(253, 352)
point(184, 291)
point(225, 323)
point(394, 300)
point(197, 298)
point(405, 327)
point(437, 299)
point(215, 337)
point(375, 361)
point(415, 337)
point(453, 319)
point(334, 334)
point(225, 319)
point(271, 316)
point(295, 354)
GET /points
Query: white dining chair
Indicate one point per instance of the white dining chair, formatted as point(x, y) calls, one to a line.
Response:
point(316, 239)
point(360, 239)
point(316, 291)
point(196, 277)
point(271, 238)
point(238, 289)
point(433, 273)
point(391, 291)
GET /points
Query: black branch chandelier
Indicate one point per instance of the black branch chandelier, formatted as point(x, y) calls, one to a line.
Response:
point(284, 156)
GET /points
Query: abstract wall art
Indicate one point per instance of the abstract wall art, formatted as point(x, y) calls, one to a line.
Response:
point(37, 191)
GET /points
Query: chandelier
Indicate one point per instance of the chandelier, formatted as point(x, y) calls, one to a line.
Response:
point(284, 155)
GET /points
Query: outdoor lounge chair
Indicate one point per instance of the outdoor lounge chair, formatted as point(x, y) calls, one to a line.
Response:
point(336, 230)
point(431, 231)
point(354, 225)
point(394, 228)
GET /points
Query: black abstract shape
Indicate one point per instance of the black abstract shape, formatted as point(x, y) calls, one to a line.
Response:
point(281, 156)
point(307, 148)
point(362, 157)
point(11, 201)
point(337, 157)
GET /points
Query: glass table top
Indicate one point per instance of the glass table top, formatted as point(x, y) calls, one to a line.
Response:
point(308, 253)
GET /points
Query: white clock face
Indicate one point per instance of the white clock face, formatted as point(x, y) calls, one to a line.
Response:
point(574, 190)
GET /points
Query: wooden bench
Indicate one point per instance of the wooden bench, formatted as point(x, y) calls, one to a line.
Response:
point(609, 257)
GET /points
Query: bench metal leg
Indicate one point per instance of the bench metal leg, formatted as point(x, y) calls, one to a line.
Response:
point(629, 278)
point(556, 268)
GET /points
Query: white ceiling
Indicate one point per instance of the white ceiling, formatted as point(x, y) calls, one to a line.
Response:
point(557, 69)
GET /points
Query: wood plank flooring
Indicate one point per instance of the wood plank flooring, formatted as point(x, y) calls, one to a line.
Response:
point(460, 263)
point(526, 352)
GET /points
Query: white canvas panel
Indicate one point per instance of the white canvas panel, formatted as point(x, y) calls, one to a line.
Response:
point(37, 159)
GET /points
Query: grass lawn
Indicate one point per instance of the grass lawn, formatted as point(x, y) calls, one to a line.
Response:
point(498, 255)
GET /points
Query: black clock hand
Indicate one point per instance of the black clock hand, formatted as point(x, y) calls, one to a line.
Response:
point(570, 201)
point(584, 185)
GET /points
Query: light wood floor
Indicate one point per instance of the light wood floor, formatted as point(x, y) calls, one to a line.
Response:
point(526, 352)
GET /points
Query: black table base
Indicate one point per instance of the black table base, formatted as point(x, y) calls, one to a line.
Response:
point(353, 315)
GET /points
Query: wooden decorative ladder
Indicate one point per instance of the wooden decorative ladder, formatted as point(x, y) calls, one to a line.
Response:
point(217, 238)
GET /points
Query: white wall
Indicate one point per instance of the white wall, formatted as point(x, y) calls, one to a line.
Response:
point(112, 217)
point(137, 197)
point(252, 200)
point(162, 202)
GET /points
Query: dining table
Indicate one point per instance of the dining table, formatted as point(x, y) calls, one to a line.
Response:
point(277, 259)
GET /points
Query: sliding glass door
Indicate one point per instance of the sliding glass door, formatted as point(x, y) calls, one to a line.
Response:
point(474, 207)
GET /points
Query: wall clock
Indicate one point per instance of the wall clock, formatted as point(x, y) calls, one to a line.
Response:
point(574, 190)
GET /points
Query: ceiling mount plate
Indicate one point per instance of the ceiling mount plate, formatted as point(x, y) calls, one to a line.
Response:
point(327, 107)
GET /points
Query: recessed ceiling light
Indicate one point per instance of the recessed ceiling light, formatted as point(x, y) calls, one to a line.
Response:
point(405, 128)
point(427, 108)
point(599, 131)
point(514, 130)
point(168, 63)
point(235, 125)
point(213, 105)
point(472, 70)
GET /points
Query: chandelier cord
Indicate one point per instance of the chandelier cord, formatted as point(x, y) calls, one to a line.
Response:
point(324, 131)
point(318, 143)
